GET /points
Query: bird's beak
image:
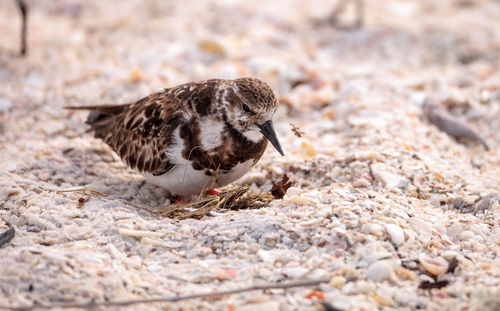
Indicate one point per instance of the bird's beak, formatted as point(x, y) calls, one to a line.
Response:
point(268, 131)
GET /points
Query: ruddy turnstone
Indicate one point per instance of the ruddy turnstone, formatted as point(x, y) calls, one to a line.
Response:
point(194, 136)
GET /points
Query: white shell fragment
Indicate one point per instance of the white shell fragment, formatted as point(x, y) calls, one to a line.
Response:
point(396, 233)
point(380, 270)
point(434, 265)
point(263, 306)
point(5, 104)
point(138, 233)
point(296, 272)
point(388, 178)
point(421, 228)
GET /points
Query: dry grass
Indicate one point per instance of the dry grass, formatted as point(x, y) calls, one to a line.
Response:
point(231, 199)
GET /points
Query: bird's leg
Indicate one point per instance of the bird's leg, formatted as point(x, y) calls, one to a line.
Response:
point(213, 191)
point(340, 7)
point(24, 25)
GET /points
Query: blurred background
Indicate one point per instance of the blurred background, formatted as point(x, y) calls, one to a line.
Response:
point(349, 65)
point(342, 69)
point(113, 48)
point(323, 58)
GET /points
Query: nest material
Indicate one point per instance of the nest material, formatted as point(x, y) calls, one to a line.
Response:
point(232, 199)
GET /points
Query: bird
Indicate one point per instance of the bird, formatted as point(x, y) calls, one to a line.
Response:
point(191, 137)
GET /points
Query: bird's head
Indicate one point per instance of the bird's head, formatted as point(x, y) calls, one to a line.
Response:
point(248, 105)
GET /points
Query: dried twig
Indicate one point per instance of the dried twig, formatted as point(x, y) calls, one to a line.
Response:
point(279, 188)
point(232, 199)
point(431, 285)
point(93, 304)
point(296, 130)
point(325, 306)
point(24, 25)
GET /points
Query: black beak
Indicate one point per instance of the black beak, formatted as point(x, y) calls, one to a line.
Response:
point(267, 129)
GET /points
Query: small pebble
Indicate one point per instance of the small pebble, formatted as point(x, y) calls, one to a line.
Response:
point(380, 270)
point(263, 306)
point(337, 282)
point(423, 230)
point(396, 233)
point(295, 272)
point(433, 265)
point(361, 183)
point(388, 178)
point(5, 104)
point(454, 231)
point(292, 191)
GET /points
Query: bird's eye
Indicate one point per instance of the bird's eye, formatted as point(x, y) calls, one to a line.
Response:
point(246, 108)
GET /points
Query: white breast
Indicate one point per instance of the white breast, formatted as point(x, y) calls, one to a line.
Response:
point(236, 173)
point(253, 135)
point(183, 179)
point(211, 130)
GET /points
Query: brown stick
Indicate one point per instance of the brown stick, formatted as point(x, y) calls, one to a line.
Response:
point(171, 299)
point(24, 26)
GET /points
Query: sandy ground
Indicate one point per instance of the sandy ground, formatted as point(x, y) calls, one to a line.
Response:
point(382, 201)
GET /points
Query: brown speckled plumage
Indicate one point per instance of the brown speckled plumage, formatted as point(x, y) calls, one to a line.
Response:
point(143, 133)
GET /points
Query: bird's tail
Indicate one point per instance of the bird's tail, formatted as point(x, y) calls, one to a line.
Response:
point(99, 117)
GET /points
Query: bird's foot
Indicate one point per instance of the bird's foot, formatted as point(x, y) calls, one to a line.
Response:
point(177, 200)
point(212, 192)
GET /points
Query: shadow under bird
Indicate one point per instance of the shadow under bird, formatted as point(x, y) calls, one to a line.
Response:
point(191, 137)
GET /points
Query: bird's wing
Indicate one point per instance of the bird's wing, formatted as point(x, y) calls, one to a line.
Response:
point(141, 132)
